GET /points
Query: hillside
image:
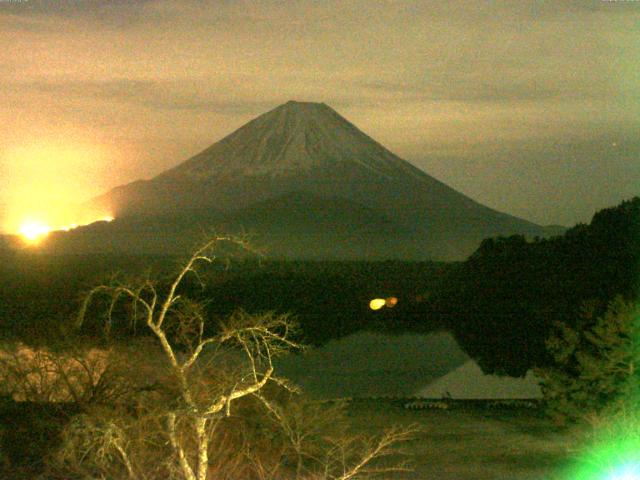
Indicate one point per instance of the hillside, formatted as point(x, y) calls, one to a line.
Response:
point(306, 183)
point(527, 286)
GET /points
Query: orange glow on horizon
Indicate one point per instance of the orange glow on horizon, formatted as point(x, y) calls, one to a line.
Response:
point(53, 177)
point(34, 231)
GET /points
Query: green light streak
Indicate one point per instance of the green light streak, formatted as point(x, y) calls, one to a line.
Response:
point(614, 453)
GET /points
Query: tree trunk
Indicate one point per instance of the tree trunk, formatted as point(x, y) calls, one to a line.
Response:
point(203, 448)
point(184, 463)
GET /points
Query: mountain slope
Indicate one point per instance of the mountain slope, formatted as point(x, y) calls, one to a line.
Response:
point(309, 150)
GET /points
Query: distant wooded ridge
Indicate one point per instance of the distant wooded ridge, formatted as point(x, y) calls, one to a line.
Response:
point(500, 303)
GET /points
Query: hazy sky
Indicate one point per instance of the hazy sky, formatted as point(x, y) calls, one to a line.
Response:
point(532, 108)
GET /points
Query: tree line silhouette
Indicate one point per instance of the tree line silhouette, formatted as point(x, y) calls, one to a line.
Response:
point(500, 303)
point(503, 301)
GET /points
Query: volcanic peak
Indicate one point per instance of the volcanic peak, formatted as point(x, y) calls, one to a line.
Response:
point(296, 137)
point(304, 157)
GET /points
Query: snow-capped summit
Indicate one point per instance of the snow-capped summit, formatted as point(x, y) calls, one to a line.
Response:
point(294, 138)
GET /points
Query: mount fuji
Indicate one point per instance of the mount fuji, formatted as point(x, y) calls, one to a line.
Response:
point(305, 183)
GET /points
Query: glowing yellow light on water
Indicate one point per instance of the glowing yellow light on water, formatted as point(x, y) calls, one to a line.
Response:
point(33, 231)
point(377, 303)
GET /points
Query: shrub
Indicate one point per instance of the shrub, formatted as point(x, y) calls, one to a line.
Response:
point(595, 372)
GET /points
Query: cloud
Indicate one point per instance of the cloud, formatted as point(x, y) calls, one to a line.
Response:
point(487, 91)
point(42, 16)
point(72, 8)
point(563, 180)
point(417, 76)
point(173, 95)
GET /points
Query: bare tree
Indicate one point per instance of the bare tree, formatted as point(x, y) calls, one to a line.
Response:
point(324, 448)
point(69, 373)
point(258, 338)
point(204, 379)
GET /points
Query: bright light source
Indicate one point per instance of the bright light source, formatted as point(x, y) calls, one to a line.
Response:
point(33, 231)
point(628, 471)
point(377, 303)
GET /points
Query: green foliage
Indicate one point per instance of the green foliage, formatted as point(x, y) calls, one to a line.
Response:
point(595, 371)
